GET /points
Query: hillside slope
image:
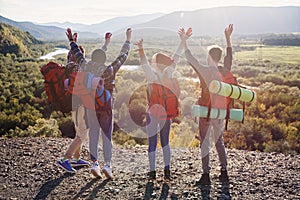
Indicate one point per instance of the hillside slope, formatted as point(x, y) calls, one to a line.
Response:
point(14, 40)
point(44, 32)
point(28, 171)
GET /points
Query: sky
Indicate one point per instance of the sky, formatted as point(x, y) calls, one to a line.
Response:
point(96, 11)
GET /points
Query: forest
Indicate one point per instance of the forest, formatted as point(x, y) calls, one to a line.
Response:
point(271, 124)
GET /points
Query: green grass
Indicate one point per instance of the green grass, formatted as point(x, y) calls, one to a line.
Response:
point(275, 54)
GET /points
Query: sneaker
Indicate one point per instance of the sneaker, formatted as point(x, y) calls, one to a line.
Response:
point(107, 171)
point(78, 163)
point(204, 180)
point(224, 176)
point(167, 174)
point(66, 165)
point(96, 170)
point(152, 175)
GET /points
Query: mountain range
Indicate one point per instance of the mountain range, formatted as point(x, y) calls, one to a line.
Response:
point(211, 21)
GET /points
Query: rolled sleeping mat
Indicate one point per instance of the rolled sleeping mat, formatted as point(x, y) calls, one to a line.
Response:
point(216, 113)
point(232, 91)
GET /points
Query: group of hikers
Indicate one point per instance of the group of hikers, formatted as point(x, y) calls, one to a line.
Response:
point(93, 115)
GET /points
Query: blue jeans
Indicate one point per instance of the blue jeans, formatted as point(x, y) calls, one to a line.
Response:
point(154, 126)
point(103, 120)
point(204, 130)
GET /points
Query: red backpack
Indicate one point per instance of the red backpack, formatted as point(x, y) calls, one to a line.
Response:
point(227, 77)
point(54, 75)
point(163, 98)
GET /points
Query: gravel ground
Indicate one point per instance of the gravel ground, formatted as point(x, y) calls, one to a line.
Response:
point(28, 171)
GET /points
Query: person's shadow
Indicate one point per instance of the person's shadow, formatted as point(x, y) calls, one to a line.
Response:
point(205, 191)
point(164, 192)
point(149, 190)
point(225, 193)
point(95, 191)
point(50, 185)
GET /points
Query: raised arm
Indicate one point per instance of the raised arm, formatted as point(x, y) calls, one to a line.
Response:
point(168, 71)
point(228, 31)
point(143, 58)
point(228, 57)
point(149, 73)
point(75, 48)
point(184, 36)
point(179, 48)
point(119, 61)
point(107, 41)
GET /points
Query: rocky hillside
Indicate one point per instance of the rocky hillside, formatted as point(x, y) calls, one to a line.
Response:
point(28, 171)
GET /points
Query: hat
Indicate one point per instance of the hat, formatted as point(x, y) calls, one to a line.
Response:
point(162, 60)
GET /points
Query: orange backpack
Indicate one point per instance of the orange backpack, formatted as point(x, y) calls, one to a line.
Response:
point(80, 84)
point(163, 98)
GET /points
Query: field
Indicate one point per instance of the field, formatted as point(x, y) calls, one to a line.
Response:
point(274, 54)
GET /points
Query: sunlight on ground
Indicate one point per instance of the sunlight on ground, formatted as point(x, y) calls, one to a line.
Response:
point(275, 54)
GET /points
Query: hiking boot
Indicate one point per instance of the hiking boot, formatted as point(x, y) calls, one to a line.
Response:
point(151, 175)
point(224, 176)
point(167, 174)
point(204, 180)
point(96, 170)
point(107, 171)
point(66, 165)
point(78, 163)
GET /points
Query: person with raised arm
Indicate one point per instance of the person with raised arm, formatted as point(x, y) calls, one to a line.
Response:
point(162, 92)
point(207, 73)
point(100, 80)
point(101, 119)
point(72, 156)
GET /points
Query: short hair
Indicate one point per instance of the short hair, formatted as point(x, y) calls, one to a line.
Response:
point(215, 53)
point(99, 56)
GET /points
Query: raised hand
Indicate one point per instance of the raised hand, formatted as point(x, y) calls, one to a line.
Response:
point(108, 35)
point(184, 35)
point(140, 43)
point(181, 33)
point(228, 30)
point(75, 37)
point(189, 32)
point(107, 38)
point(128, 34)
point(69, 34)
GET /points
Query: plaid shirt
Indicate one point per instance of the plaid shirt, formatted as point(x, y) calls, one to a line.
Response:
point(108, 72)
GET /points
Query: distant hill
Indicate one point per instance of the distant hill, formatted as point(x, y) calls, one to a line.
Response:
point(111, 25)
point(14, 40)
point(247, 20)
point(44, 32)
point(212, 21)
